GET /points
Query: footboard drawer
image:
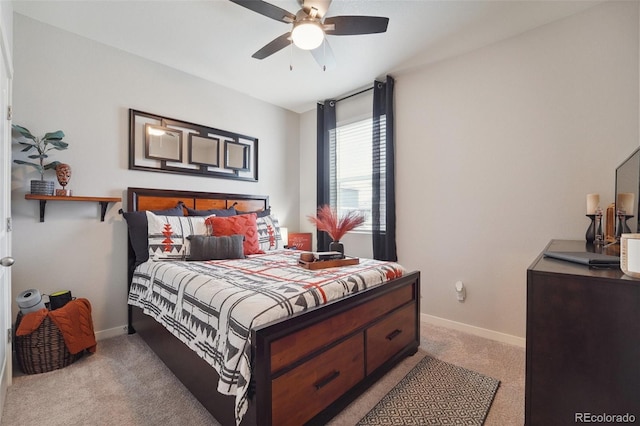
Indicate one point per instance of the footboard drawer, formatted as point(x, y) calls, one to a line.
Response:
point(303, 392)
point(296, 346)
point(390, 336)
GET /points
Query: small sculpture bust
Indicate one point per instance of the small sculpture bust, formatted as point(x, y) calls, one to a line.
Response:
point(63, 173)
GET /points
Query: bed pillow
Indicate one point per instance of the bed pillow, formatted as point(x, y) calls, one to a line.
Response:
point(243, 224)
point(168, 235)
point(259, 213)
point(138, 234)
point(269, 236)
point(217, 212)
point(206, 247)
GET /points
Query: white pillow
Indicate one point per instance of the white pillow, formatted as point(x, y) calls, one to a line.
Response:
point(168, 235)
point(269, 236)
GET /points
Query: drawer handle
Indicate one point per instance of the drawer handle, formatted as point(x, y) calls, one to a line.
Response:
point(394, 334)
point(322, 383)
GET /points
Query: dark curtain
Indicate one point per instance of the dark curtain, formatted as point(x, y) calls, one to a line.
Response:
point(326, 116)
point(384, 195)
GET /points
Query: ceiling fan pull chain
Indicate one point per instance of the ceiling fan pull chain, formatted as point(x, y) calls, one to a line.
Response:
point(324, 53)
point(291, 57)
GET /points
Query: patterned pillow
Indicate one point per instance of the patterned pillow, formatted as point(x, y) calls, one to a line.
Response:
point(168, 235)
point(205, 247)
point(269, 236)
point(244, 224)
point(138, 231)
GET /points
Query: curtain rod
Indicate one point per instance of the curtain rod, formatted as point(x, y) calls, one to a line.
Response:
point(355, 94)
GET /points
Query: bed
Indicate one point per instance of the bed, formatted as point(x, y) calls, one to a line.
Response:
point(302, 368)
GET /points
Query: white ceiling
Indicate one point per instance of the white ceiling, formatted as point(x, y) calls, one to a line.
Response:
point(215, 39)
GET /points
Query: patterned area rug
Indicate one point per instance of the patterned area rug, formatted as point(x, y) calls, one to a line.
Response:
point(435, 393)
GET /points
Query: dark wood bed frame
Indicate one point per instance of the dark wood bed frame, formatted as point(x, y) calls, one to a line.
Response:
point(306, 368)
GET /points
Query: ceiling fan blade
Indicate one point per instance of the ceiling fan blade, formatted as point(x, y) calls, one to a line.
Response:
point(267, 9)
point(324, 56)
point(274, 46)
point(355, 25)
point(320, 5)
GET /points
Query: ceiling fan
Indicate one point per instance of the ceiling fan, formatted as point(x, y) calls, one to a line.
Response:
point(310, 26)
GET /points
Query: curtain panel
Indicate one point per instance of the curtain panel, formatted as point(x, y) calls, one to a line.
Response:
point(384, 196)
point(326, 118)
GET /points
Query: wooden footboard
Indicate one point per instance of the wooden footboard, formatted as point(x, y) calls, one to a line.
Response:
point(311, 366)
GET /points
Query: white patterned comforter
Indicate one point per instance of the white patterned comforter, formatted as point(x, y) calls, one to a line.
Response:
point(212, 306)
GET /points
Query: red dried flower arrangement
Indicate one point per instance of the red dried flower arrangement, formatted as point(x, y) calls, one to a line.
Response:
point(327, 220)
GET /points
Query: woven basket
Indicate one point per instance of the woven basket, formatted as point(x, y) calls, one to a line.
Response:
point(43, 350)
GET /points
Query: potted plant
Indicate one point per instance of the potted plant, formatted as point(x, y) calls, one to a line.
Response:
point(50, 141)
point(327, 220)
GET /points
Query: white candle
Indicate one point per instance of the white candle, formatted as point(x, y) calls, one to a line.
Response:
point(625, 202)
point(593, 201)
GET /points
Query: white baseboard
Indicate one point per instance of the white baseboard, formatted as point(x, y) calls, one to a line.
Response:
point(429, 319)
point(111, 332)
point(472, 329)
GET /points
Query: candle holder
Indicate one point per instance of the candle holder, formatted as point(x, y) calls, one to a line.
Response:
point(590, 235)
point(623, 227)
point(599, 238)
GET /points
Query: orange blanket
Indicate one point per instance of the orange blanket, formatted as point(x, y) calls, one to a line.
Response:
point(73, 320)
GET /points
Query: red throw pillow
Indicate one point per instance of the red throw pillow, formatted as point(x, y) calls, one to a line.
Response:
point(241, 224)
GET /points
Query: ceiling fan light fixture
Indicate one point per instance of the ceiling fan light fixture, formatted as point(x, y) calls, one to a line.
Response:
point(307, 34)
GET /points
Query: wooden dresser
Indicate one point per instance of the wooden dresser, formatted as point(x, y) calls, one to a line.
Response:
point(583, 342)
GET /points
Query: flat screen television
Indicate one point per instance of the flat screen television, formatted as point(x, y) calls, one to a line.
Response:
point(628, 182)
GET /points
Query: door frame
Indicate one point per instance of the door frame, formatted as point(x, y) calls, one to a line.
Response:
point(6, 79)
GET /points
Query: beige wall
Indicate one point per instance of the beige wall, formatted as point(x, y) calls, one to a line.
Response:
point(496, 150)
point(67, 82)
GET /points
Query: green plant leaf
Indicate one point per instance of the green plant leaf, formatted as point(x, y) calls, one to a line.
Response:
point(51, 165)
point(27, 148)
point(24, 132)
point(34, 165)
point(36, 156)
point(59, 145)
point(57, 135)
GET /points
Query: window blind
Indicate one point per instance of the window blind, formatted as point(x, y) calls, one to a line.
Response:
point(352, 158)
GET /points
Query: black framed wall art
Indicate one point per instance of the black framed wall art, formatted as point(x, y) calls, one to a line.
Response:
point(163, 144)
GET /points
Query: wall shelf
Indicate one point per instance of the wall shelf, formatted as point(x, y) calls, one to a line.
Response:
point(103, 201)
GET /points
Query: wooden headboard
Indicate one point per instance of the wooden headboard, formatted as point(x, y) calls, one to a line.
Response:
point(161, 199)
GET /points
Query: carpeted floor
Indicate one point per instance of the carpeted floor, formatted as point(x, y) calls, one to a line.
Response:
point(494, 359)
point(102, 389)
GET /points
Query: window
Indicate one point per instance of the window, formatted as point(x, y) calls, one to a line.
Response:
point(351, 169)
